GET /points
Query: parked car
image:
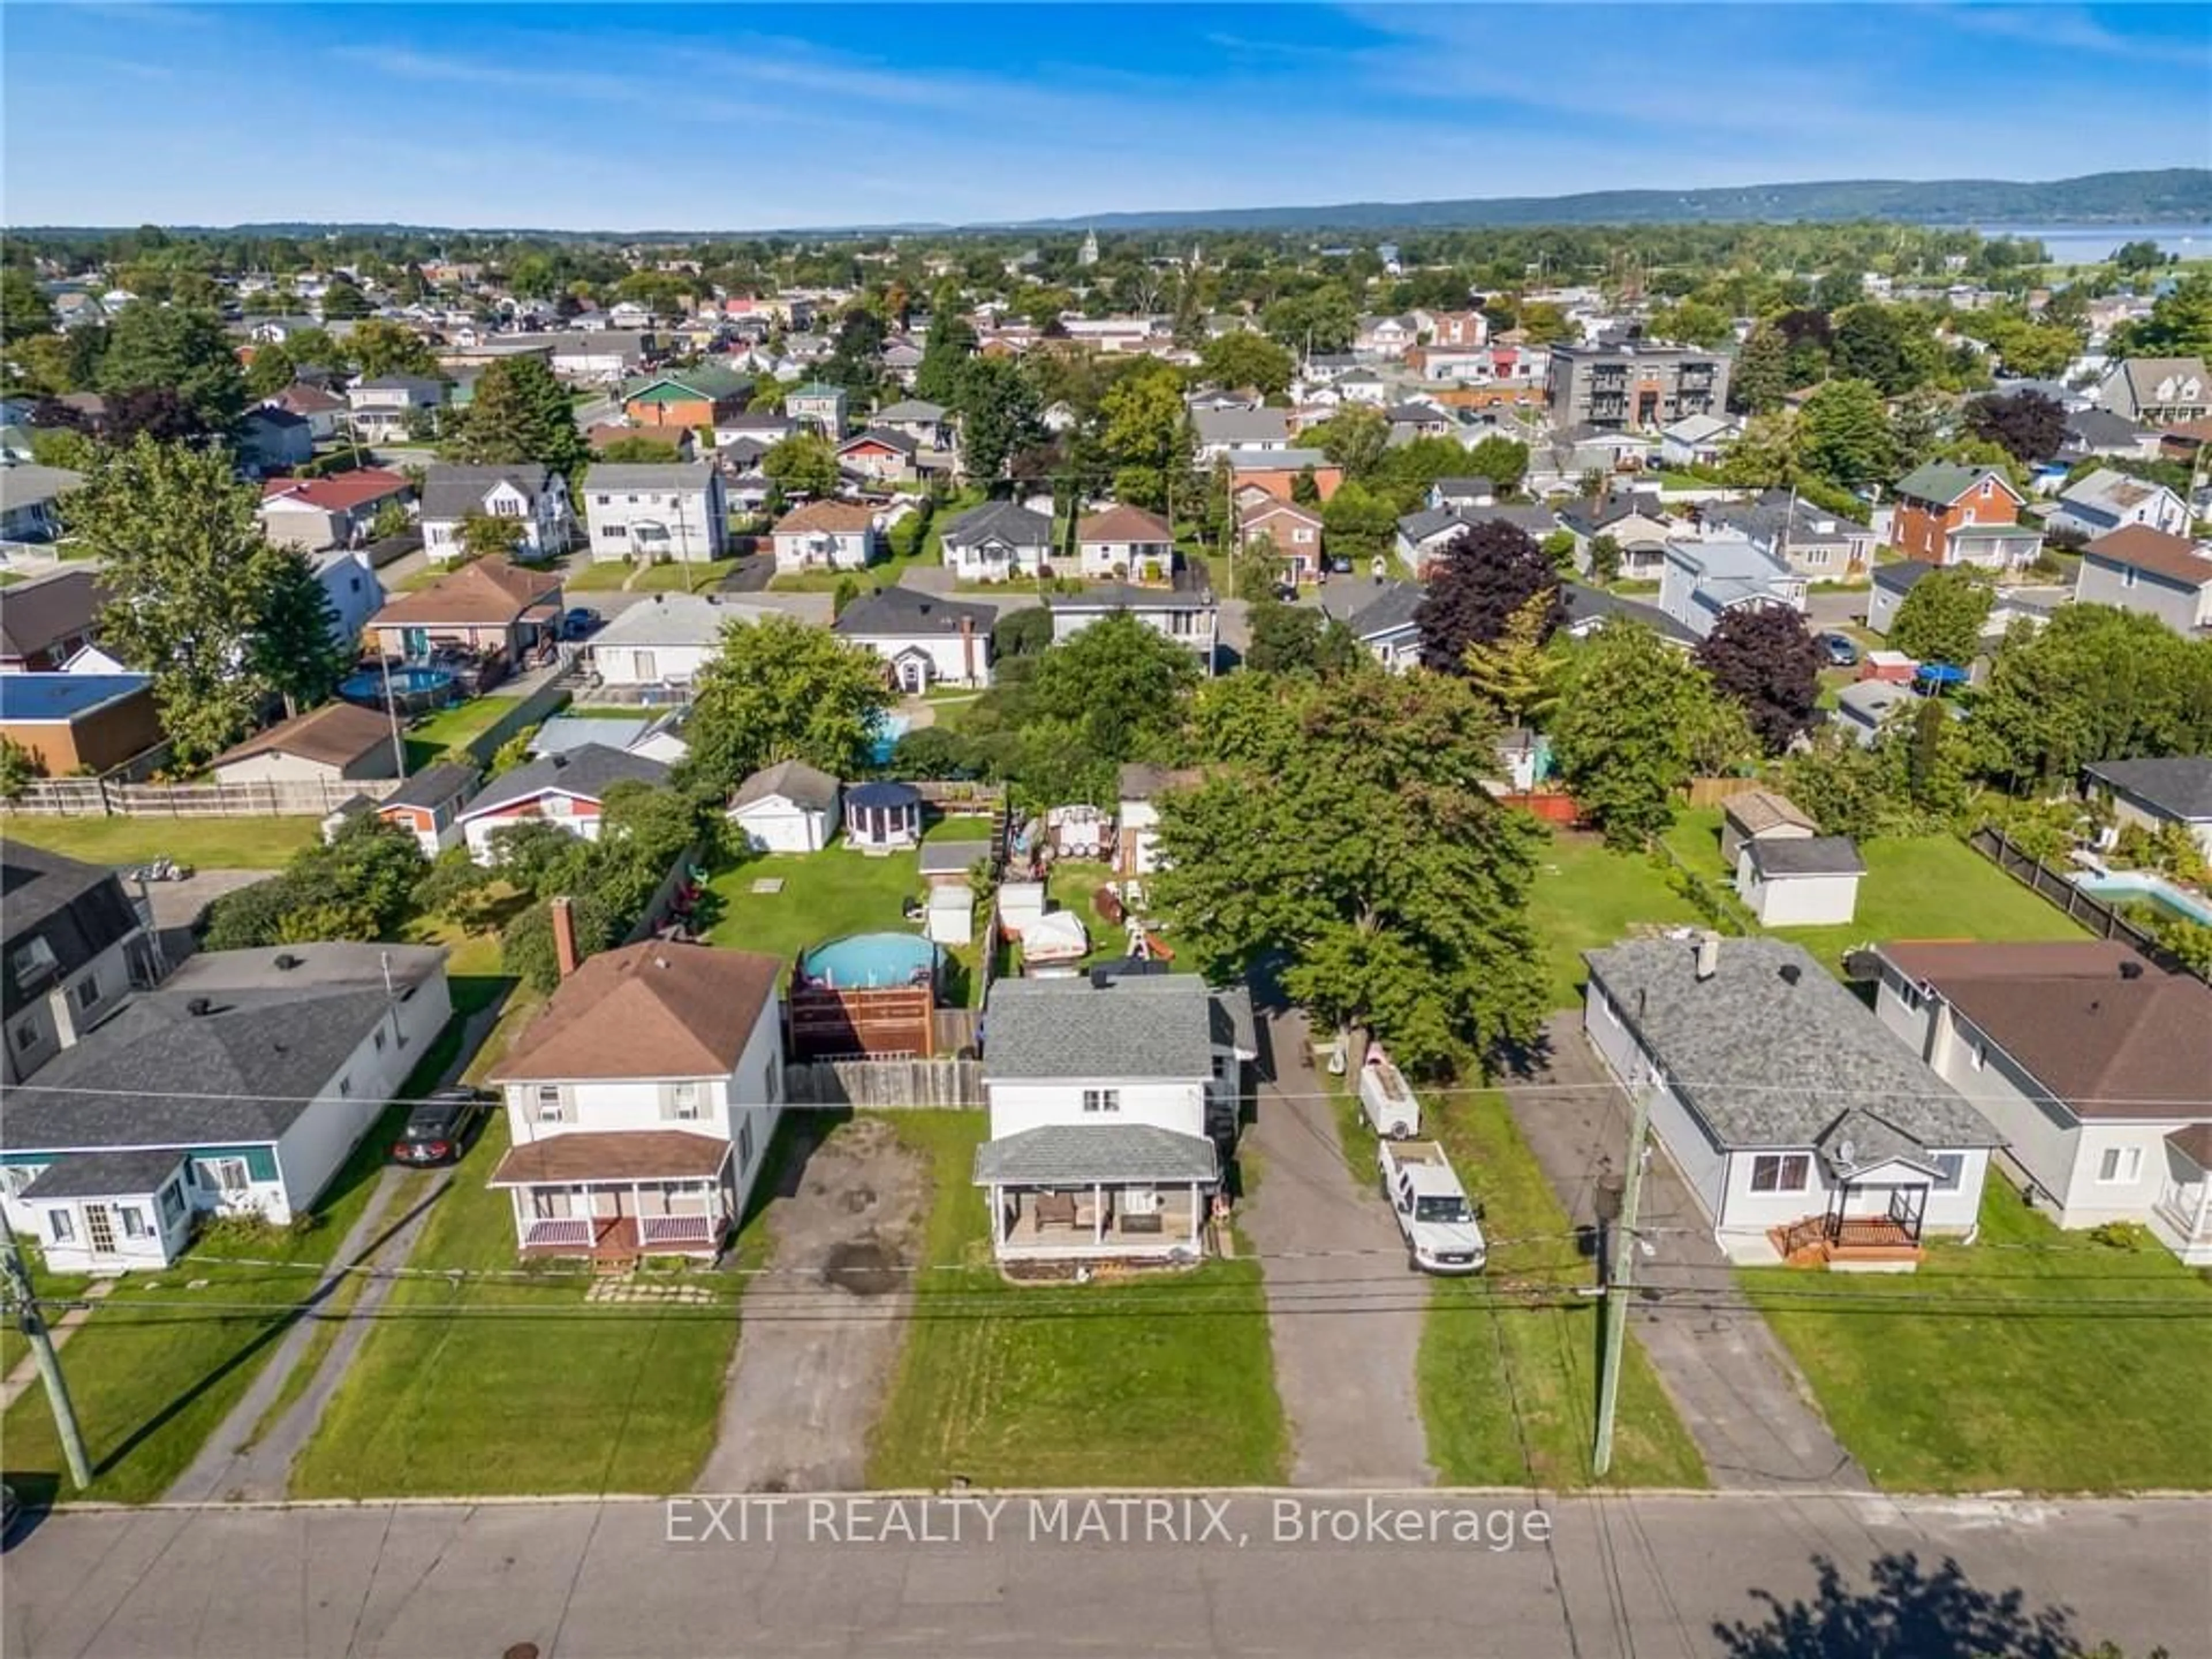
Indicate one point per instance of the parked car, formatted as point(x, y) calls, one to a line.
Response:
point(1841, 651)
point(580, 622)
point(439, 1129)
point(1443, 1229)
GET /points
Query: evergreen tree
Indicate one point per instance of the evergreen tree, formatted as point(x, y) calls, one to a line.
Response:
point(520, 414)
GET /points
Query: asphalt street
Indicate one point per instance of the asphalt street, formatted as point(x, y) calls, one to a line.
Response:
point(1730, 1575)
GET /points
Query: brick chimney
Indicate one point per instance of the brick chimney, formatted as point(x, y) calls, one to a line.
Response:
point(968, 647)
point(564, 936)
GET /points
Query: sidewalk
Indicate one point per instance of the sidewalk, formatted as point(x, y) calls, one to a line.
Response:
point(1739, 1393)
point(24, 1377)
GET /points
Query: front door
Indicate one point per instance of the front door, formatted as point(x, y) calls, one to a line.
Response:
point(100, 1229)
point(914, 675)
point(644, 666)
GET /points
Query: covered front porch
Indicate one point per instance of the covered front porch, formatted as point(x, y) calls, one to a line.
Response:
point(1872, 1224)
point(618, 1196)
point(1099, 1192)
point(2182, 1217)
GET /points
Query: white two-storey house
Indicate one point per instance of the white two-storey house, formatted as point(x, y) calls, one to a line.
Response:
point(640, 1100)
point(1114, 1103)
point(536, 497)
point(655, 512)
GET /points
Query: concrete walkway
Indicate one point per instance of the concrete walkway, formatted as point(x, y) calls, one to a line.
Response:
point(1344, 1312)
point(24, 1377)
point(233, 1465)
point(1738, 1391)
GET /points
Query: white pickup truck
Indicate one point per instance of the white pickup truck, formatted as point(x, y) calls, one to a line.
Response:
point(1443, 1227)
point(1389, 1106)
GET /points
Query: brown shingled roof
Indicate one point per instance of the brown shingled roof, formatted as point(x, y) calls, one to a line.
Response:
point(612, 1155)
point(336, 735)
point(2108, 1045)
point(655, 1009)
point(2156, 551)
point(827, 515)
point(1123, 524)
point(483, 590)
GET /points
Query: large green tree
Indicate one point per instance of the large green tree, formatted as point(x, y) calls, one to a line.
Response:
point(1114, 692)
point(1344, 833)
point(2094, 683)
point(1843, 435)
point(519, 415)
point(186, 351)
point(1145, 436)
point(297, 649)
point(190, 580)
point(778, 689)
point(1297, 639)
point(1942, 617)
point(380, 346)
point(1632, 710)
point(999, 414)
point(805, 464)
point(1240, 358)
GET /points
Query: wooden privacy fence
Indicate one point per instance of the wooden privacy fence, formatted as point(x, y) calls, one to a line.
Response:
point(2098, 915)
point(284, 797)
point(885, 1084)
point(1712, 791)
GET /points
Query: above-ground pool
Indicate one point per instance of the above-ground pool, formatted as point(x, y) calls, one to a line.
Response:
point(2131, 886)
point(412, 688)
point(859, 961)
point(888, 730)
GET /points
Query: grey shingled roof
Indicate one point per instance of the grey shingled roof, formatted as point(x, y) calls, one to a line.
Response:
point(1076, 1154)
point(105, 1174)
point(454, 492)
point(906, 612)
point(157, 1074)
point(1155, 1027)
point(78, 910)
point(1806, 856)
point(1242, 426)
point(1901, 577)
point(586, 773)
point(2179, 786)
point(1389, 612)
point(1587, 604)
point(676, 477)
point(1006, 521)
point(795, 781)
point(1764, 1062)
point(432, 786)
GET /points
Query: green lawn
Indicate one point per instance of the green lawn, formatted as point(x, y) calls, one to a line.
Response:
point(1918, 887)
point(608, 576)
point(2032, 1359)
point(452, 727)
point(514, 1383)
point(1586, 896)
point(1152, 1380)
point(1508, 1388)
point(250, 843)
point(1070, 884)
point(825, 896)
point(160, 1364)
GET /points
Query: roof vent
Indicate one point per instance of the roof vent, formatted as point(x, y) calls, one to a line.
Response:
point(2131, 968)
point(199, 1007)
point(1100, 978)
point(1709, 955)
point(286, 962)
point(1791, 973)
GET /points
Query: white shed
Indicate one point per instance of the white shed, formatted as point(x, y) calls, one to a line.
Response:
point(952, 914)
point(789, 807)
point(1811, 883)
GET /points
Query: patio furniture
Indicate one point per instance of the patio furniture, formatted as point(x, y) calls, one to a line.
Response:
point(1056, 1210)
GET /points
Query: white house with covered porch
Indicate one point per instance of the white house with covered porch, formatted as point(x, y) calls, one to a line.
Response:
point(641, 1101)
point(1113, 1105)
point(1801, 1128)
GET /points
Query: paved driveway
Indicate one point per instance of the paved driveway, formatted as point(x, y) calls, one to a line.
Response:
point(820, 1331)
point(1740, 1395)
point(1344, 1312)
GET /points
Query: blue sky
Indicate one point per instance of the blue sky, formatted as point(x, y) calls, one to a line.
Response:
point(641, 117)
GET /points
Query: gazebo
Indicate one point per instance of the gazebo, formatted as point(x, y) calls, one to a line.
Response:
point(883, 817)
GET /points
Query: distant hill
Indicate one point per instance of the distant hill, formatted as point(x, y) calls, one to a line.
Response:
point(2168, 196)
point(2173, 194)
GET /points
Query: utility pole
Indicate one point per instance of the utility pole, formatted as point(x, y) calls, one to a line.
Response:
point(18, 1279)
point(1620, 1284)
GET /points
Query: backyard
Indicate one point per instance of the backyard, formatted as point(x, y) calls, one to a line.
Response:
point(205, 843)
point(2032, 1359)
point(453, 727)
point(1586, 895)
point(669, 576)
point(1921, 887)
point(1145, 1381)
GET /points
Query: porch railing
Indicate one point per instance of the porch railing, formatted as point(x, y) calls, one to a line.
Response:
point(653, 1229)
point(570, 1229)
